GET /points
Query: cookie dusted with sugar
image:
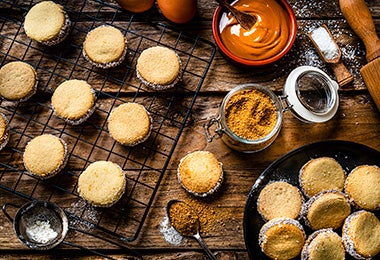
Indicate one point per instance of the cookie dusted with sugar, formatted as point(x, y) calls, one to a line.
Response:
point(4, 131)
point(322, 245)
point(130, 124)
point(327, 209)
point(361, 235)
point(363, 187)
point(279, 199)
point(105, 47)
point(159, 68)
point(18, 81)
point(102, 184)
point(45, 156)
point(47, 23)
point(200, 173)
point(74, 101)
point(282, 238)
point(321, 174)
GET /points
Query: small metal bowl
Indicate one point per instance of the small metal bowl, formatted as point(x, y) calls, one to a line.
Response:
point(39, 212)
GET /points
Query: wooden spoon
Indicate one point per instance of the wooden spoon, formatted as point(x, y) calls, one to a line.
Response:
point(244, 19)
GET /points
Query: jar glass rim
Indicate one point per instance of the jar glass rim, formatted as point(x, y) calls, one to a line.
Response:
point(263, 89)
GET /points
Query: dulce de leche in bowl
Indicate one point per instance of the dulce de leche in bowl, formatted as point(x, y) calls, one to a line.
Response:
point(267, 41)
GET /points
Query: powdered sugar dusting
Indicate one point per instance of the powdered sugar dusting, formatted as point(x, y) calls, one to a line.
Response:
point(170, 234)
point(304, 53)
point(86, 212)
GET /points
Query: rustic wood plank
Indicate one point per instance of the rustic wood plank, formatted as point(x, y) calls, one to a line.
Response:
point(357, 120)
point(222, 75)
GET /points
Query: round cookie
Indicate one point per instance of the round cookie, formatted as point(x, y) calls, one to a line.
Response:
point(4, 131)
point(18, 81)
point(105, 47)
point(159, 68)
point(47, 23)
point(279, 199)
point(327, 209)
point(45, 156)
point(321, 174)
point(200, 173)
point(102, 183)
point(74, 101)
point(130, 124)
point(363, 187)
point(323, 244)
point(282, 238)
point(361, 235)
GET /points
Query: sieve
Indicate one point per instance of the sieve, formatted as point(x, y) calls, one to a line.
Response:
point(31, 215)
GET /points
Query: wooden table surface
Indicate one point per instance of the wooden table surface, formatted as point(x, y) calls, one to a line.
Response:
point(357, 120)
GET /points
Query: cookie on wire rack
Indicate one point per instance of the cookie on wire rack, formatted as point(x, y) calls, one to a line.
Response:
point(4, 131)
point(130, 124)
point(47, 23)
point(74, 101)
point(105, 47)
point(45, 156)
point(102, 183)
point(18, 81)
point(159, 68)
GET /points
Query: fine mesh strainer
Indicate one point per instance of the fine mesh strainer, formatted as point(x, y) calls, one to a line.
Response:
point(39, 225)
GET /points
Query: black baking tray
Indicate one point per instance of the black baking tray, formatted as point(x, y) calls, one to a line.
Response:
point(286, 168)
point(144, 164)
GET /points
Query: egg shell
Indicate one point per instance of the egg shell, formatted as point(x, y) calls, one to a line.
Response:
point(178, 11)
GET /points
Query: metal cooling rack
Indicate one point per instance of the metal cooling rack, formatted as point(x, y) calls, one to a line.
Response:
point(144, 164)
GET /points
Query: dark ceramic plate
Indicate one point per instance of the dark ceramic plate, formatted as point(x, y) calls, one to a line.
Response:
point(348, 154)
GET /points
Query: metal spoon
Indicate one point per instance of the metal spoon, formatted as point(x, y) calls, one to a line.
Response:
point(244, 19)
point(194, 231)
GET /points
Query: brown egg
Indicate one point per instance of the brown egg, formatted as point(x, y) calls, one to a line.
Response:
point(178, 11)
point(136, 6)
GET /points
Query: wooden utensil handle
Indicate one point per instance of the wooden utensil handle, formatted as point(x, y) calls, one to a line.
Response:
point(343, 76)
point(359, 18)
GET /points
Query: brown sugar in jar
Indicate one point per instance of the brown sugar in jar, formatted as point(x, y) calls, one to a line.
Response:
point(249, 118)
point(251, 114)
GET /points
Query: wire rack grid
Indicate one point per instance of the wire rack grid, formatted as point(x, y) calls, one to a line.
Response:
point(144, 164)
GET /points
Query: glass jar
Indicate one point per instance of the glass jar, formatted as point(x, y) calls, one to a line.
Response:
point(309, 93)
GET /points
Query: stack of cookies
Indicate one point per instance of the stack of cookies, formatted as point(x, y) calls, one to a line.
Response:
point(336, 209)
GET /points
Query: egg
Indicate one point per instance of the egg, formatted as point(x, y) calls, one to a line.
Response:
point(178, 11)
point(136, 6)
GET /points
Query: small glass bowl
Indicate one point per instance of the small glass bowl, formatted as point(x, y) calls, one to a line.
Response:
point(236, 142)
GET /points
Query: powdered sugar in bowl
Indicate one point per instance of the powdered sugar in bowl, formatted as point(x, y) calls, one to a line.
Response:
point(39, 224)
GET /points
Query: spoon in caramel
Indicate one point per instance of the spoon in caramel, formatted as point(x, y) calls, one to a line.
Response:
point(244, 19)
point(186, 222)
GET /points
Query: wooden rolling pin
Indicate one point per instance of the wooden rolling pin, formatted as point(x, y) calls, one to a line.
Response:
point(359, 18)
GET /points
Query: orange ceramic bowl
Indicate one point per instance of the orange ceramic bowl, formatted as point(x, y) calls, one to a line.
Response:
point(260, 62)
